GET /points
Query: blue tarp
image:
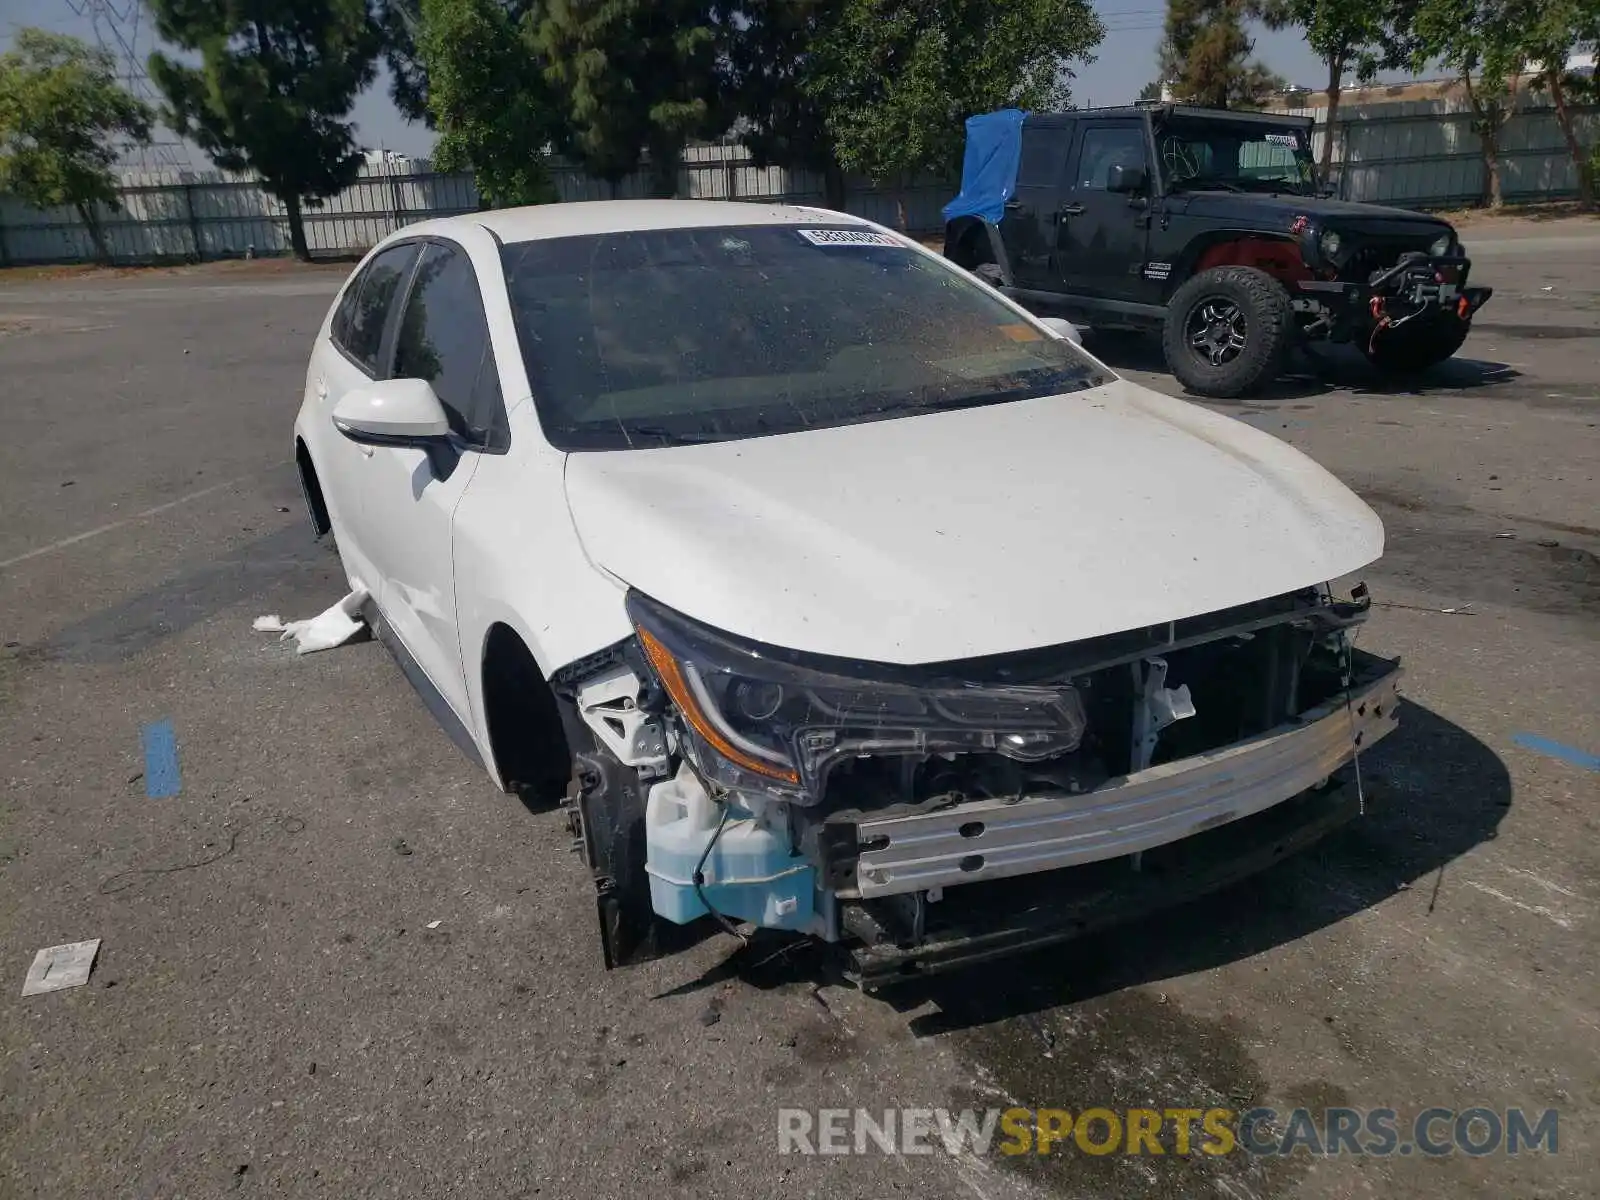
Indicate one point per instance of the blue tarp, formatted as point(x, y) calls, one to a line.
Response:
point(989, 169)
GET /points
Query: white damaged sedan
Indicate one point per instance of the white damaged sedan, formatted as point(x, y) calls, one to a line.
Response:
point(858, 601)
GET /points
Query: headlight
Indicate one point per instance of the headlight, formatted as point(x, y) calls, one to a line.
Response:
point(753, 717)
point(1441, 245)
point(1330, 243)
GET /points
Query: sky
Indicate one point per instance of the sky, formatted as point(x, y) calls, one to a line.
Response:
point(1125, 60)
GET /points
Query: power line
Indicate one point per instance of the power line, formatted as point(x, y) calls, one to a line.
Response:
point(117, 27)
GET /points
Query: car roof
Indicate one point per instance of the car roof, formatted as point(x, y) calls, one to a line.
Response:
point(574, 219)
point(1172, 110)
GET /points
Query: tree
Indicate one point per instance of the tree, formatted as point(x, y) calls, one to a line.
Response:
point(1151, 90)
point(1560, 27)
point(488, 98)
point(400, 24)
point(1348, 36)
point(896, 80)
point(1486, 45)
point(637, 75)
point(275, 80)
point(1206, 54)
point(64, 120)
point(765, 62)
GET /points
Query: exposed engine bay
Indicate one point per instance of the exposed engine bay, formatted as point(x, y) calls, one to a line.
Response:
point(863, 803)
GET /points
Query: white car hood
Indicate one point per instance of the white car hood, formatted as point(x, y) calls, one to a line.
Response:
point(971, 532)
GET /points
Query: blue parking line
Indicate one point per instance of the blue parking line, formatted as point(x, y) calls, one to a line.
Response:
point(1571, 754)
point(161, 777)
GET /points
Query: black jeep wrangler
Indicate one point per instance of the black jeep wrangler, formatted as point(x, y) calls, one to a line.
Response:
point(1209, 226)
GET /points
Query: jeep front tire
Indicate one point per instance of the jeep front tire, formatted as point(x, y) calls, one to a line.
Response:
point(1228, 331)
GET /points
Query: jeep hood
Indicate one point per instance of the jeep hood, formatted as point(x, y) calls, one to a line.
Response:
point(1283, 208)
point(973, 532)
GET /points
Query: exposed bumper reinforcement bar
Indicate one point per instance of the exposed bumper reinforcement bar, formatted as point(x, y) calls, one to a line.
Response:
point(995, 839)
point(1077, 902)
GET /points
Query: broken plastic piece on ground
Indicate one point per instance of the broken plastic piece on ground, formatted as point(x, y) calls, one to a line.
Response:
point(324, 631)
point(433, 924)
point(58, 967)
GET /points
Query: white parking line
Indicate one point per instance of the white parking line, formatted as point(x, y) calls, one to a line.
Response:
point(98, 530)
point(1536, 909)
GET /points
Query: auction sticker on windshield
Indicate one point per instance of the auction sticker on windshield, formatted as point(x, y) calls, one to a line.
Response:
point(847, 237)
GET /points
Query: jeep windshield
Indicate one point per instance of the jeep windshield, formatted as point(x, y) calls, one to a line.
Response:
point(1237, 156)
point(660, 337)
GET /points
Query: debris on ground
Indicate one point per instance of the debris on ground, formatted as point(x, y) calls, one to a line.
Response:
point(328, 629)
point(1463, 610)
point(433, 924)
point(58, 967)
point(401, 848)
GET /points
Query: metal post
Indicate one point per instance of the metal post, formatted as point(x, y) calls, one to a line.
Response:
point(194, 222)
point(394, 195)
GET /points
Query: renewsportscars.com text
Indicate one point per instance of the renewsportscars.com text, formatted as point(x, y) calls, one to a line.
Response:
point(1379, 1132)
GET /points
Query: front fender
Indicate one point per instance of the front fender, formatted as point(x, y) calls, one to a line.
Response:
point(518, 562)
point(1278, 254)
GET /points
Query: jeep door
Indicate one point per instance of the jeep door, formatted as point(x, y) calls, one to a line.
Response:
point(1101, 234)
point(1028, 227)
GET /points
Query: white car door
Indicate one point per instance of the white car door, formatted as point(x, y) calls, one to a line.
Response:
point(344, 361)
point(409, 495)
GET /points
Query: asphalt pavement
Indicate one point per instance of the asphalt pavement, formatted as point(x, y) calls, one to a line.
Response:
point(336, 961)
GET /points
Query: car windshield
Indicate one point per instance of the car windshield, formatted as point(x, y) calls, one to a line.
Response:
point(1235, 157)
point(661, 337)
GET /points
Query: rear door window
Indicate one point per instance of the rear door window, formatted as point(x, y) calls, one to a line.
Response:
point(1044, 155)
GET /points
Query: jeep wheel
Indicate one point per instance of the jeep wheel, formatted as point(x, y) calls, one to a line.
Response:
point(1412, 348)
point(1228, 331)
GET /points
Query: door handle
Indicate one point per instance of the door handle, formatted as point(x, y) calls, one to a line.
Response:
point(322, 389)
point(1072, 210)
point(366, 451)
point(1013, 205)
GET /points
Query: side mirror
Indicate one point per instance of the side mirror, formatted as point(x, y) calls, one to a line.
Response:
point(1062, 329)
point(392, 412)
point(1125, 179)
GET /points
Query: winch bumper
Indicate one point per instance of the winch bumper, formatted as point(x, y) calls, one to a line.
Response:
point(1417, 282)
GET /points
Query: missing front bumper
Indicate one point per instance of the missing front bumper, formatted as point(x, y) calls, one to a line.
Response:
point(994, 839)
point(991, 921)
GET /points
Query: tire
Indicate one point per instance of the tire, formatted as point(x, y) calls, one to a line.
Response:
point(1408, 350)
point(1246, 321)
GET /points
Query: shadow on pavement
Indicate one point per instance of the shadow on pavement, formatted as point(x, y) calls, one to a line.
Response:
point(286, 570)
point(1313, 371)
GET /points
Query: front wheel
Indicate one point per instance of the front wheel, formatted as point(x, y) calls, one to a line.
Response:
point(1228, 331)
point(1416, 346)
